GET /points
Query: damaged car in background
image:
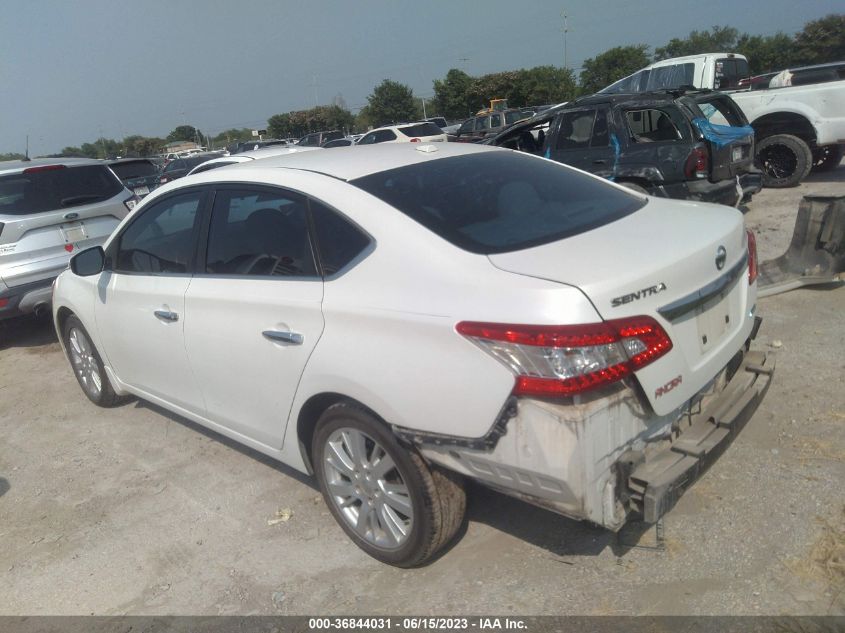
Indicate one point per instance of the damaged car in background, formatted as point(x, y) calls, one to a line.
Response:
point(659, 143)
point(396, 318)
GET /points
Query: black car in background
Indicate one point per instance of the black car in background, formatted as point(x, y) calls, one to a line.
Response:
point(181, 166)
point(139, 175)
point(693, 145)
point(316, 139)
point(248, 146)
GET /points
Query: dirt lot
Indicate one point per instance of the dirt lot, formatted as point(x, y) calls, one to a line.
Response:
point(136, 511)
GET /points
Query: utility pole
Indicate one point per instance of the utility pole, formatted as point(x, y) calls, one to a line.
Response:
point(565, 31)
point(423, 102)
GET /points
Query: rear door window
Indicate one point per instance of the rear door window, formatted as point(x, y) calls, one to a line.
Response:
point(138, 169)
point(651, 125)
point(482, 123)
point(495, 120)
point(729, 71)
point(259, 233)
point(496, 202)
point(668, 77)
point(41, 189)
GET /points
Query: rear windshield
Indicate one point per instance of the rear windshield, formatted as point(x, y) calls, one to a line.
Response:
point(500, 201)
point(142, 168)
point(513, 117)
point(50, 189)
point(421, 129)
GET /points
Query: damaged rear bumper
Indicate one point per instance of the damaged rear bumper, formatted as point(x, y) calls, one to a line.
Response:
point(606, 458)
point(658, 480)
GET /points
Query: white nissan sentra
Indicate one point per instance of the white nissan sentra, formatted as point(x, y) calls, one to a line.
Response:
point(397, 319)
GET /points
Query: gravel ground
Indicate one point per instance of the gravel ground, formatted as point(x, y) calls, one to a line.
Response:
point(136, 511)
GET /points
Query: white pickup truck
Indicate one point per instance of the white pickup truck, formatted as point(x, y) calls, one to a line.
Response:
point(796, 127)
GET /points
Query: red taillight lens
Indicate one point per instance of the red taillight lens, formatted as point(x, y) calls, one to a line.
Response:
point(4, 303)
point(752, 257)
point(415, 140)
point(698, 163)
point(33, 170)
point(568, 359)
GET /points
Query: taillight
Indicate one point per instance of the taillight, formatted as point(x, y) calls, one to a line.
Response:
point(752, 257)
point(162, 180)
point(4, 302)
point(698, 163)
point(33, 170)
point(131, 202)
point(564, 360)
point(415, 140)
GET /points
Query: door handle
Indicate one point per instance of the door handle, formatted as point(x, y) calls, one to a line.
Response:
point(599, 162)
point(283, 337)
point(166, 315)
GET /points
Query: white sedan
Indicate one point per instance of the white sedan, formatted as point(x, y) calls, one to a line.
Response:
point(396, 319)
point(243, 157)
point(422, 132)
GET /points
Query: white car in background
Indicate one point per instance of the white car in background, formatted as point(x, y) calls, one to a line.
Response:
point(244, 157)
point(395, 319)
point(423, 132)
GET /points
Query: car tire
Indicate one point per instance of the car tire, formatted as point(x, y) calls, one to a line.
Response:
point(785, 160)
point(826, 157)
point(87, 364)
point(634, 187)
point(411, 510)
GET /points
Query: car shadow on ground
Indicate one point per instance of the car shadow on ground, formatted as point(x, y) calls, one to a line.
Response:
point(222, 439)
point(4, 486)
point(27, 331)
point(559, 535)
point(833, 175)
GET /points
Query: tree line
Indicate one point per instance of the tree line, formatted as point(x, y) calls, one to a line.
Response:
point(458, 95)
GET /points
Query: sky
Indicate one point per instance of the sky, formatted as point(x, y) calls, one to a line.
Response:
point(74, 70)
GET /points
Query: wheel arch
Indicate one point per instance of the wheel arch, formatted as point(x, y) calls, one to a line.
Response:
point(309, 415)
point(784, 122)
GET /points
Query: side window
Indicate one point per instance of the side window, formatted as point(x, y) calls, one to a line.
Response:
point(259, 232)
point(466, 127)
point(338, 240)
point(600, 137)
point(495, 120)
point(385, 135)
point(174, 165)
point(161, 239)
point(575, 129)
point(367, 139)
point(651, 125)
point(482, 123)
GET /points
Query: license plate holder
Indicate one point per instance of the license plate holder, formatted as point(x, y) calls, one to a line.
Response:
point(74, 233)
point(714, 322)
point(141, 191)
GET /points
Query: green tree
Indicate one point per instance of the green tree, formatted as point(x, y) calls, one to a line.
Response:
point(232, 135)
point(766, 53)
point(301, 122)
point(544, 84)
point(720, 38)
point(451, 95)
point(821, 40)
point(614, 64)
point(184, 133)
point(392, 102)
point(12, 156)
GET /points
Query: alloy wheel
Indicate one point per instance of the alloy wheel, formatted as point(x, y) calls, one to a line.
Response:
point(84, 362)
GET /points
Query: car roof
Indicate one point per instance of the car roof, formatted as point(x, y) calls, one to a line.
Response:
point(355, 161)
point(8, 166)
point(121, 161)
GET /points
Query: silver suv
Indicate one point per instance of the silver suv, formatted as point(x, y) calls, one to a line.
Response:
point(49, 210)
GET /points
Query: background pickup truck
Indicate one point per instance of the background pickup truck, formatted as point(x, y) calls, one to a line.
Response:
point(658, 143)
point(797, 127)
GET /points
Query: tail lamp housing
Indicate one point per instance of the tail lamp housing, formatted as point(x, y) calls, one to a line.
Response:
point(698, 163)
point(566, 360)
point(752, 257)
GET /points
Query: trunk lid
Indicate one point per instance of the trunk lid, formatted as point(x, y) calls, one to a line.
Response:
point(661, 261)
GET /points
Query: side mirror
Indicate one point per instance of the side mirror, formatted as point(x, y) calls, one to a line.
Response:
point(88, 262)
